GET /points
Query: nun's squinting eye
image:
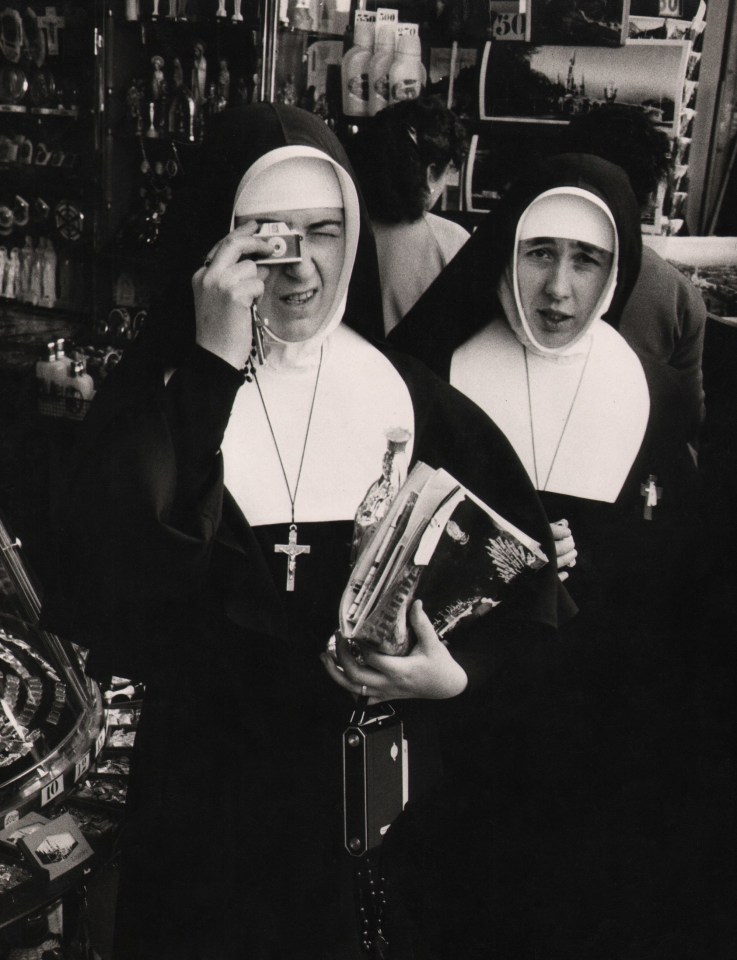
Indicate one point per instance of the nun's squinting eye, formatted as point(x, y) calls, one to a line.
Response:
point(325, 228)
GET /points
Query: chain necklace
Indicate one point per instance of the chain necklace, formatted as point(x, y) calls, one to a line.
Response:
point(565, 423)
point(292, 549)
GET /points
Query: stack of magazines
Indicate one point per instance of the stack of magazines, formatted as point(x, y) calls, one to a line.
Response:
point(440, 544)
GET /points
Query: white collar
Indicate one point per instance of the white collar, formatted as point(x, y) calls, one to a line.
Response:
point(604, 428)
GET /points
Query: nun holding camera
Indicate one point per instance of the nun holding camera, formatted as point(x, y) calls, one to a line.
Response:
point(227, 457)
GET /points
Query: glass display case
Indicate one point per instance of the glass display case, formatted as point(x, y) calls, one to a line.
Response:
point(52, 719)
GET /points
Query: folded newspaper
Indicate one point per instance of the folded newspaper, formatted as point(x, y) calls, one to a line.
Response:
point(440, 544)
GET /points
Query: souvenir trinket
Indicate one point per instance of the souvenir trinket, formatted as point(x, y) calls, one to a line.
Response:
point(51, 23)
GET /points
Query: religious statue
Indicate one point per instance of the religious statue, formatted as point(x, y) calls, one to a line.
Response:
point(199, 74)
point(224, 81)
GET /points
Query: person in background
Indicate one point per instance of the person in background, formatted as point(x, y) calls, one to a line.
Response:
point(665, 315)
point(196, 470)
point(524, 323)
point(402, 159)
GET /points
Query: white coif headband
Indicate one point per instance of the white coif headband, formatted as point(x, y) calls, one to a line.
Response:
point(569, 217)
point(311, 183)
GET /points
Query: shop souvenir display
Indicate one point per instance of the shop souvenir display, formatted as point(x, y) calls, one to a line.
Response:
point(52, 714)
point(56, 848)
point(12, 834)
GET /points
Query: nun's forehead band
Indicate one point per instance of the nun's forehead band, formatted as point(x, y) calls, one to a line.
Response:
point(570, 217)
point(296, 183)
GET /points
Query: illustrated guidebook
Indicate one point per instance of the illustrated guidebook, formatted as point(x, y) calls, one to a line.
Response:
point(438, 543)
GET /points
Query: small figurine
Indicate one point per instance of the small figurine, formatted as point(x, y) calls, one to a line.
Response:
point(48, 276)
point(12, 271)
point(24, 272)
point(224, 81)
point(158, 80)
point(177, 73)
point(199, 74)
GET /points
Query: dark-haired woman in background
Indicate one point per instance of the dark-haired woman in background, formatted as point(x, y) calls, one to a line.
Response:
point(402, 160)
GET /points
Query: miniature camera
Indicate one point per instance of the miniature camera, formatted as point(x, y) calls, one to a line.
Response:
point(284, 243)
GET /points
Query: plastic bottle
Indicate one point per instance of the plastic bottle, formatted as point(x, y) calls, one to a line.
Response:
point(79, 391)
point(61, 372)
point(381, 61)
point(381, 493)
point(44, 368)
point(355, 65)
point(407, 75)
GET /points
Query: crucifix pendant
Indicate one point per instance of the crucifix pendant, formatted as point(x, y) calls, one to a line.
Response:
point(292, 550)
point(651, 494)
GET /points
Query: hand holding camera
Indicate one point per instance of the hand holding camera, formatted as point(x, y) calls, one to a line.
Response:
point(226, 287)
point(229, 283)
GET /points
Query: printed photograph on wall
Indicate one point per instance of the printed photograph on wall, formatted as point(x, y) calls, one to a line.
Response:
point(453, 75)
point(519, 82)
point(599, 23)
point(493, 161)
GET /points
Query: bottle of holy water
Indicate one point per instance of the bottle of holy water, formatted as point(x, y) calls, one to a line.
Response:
point(381, 493)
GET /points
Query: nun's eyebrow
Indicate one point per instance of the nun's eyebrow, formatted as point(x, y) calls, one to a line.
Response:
point(329, 222)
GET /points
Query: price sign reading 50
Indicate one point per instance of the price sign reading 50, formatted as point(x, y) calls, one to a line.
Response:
point(671, 8)
point(508, 26)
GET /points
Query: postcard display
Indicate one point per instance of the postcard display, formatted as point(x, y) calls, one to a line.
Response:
point(535, 72)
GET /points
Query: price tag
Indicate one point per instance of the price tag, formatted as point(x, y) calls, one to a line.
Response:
point(671, 8)
point(508, 26)
point(81, 766)
point(100, 742)
point(52, 790)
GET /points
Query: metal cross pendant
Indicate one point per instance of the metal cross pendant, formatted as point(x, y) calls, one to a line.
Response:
point(652, 494)
point(292, 550)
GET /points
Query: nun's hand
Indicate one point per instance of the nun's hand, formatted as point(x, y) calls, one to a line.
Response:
point(565, 547)
point(428, 671)
point(225, 287)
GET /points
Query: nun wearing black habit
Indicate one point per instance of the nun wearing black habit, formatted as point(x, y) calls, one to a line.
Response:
point(187, 477)
point(523, 321)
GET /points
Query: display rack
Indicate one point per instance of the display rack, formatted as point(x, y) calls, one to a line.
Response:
point(527, 93)
point(48, 159)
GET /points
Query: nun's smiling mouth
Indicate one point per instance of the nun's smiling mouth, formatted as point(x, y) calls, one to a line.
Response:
point(299, 299)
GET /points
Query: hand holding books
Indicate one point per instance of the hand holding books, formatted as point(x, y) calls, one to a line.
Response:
point(438, 543)
point(428, 671)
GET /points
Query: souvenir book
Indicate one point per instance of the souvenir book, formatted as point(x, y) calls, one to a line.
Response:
point(440, 544)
